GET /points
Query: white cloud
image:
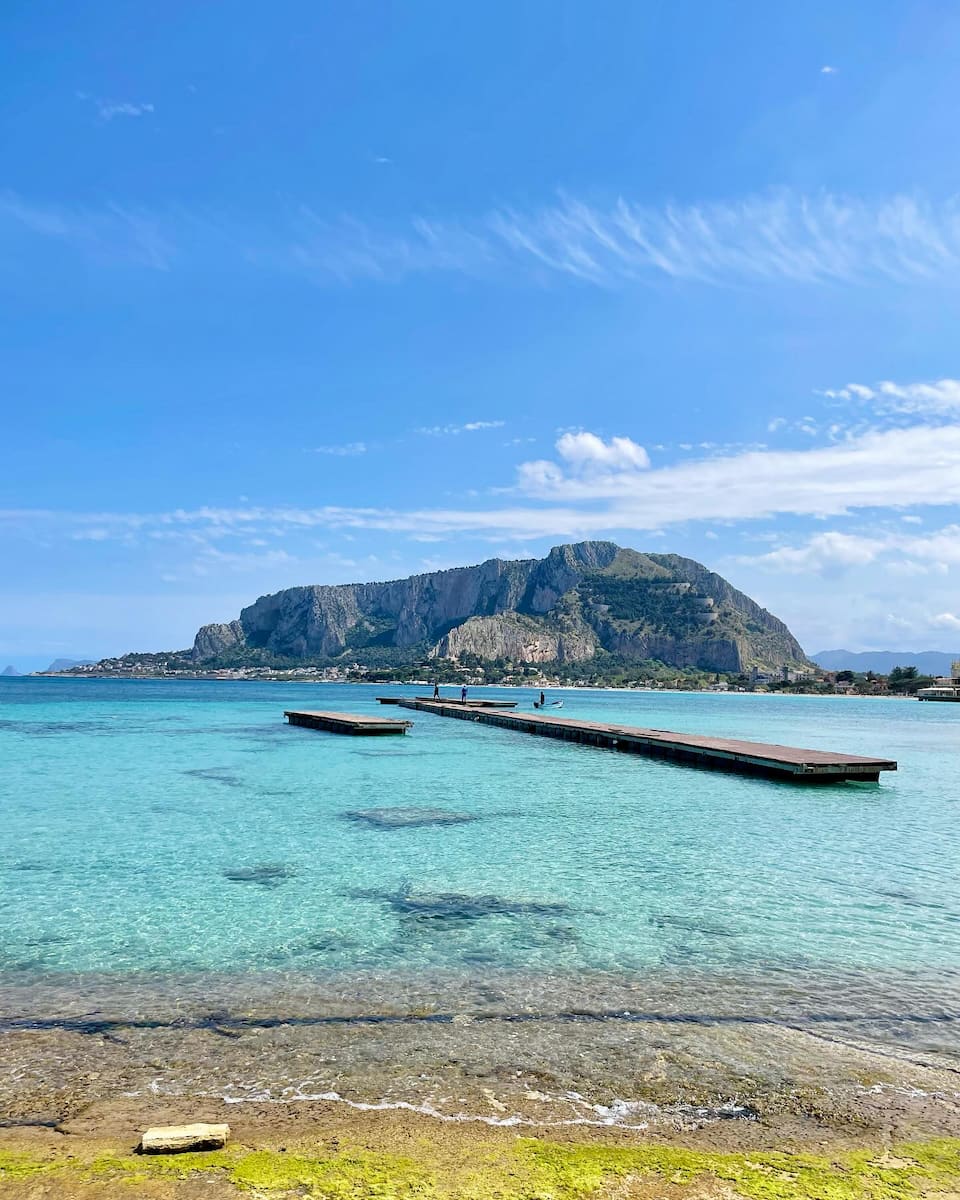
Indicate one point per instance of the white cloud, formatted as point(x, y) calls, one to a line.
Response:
point(939, 397)
point(880, 470)
point(823, 553)
point(587, 452)
point(456, 430)
point(346, 450)
point(903, 554)
point(828, 70)
point(946, 620)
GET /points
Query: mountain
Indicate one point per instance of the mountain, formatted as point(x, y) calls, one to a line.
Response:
point(579, 601)
point(9, 671)
point(927, 662)
point(64, 664)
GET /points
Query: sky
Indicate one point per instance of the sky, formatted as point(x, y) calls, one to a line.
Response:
point(319, 293)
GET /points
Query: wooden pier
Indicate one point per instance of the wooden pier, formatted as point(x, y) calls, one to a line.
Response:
point(350, 723)
point(450, 700)
point(719, 754)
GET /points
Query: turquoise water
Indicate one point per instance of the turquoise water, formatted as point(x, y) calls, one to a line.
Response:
point(172, 828)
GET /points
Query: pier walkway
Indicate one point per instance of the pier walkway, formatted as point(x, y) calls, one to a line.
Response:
point(722, 754)
point(450, 700)
point(351, 723)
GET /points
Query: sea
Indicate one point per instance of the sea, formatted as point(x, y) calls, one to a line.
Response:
point(196, 897)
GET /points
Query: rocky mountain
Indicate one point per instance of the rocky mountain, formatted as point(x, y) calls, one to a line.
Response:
point(927, 662)
point(9, 671)
point(578, 601)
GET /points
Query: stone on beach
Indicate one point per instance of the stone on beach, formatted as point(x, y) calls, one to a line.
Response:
point(174, 1139)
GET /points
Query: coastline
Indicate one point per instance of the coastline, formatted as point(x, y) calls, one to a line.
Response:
point(533, 689)
point(317, 1152)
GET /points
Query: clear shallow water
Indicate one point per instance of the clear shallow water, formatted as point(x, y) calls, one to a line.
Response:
point(138, 818)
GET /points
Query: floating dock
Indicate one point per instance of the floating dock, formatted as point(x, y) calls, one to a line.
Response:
point(350, 723)
point(719, 754)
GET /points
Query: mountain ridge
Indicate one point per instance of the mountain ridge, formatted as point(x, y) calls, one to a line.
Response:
point(582, 599)
point(882, 662)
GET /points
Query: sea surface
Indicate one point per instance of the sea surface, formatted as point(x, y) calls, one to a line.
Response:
point(176, 847)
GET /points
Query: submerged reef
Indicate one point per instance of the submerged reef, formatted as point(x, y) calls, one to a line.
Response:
point(407, 818)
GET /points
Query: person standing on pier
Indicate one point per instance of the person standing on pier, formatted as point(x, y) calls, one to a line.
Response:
point(463, 694)
point(436, 690)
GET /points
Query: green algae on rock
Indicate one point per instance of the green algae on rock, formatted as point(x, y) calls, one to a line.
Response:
point(526, 1169)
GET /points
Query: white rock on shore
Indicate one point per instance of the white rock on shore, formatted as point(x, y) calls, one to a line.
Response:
point(172, 1139)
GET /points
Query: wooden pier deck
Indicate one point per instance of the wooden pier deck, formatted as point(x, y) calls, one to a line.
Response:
point(351, 723)
point(719, 754)
point(450, 700)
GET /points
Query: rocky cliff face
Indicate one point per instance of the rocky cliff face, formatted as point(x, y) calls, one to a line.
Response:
point(517, 638)
point(559, 608)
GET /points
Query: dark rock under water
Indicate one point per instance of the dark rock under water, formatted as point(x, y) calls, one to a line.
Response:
point(216, 775)
point(407, 818)
point(263, 874)
point(454, 906)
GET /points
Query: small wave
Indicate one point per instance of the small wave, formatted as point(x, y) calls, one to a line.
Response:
point(623, 1114)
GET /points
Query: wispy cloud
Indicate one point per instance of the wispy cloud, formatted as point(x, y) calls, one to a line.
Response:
point(939, 398)
point(774, 237)
point(346, 450)
point(107, 110)
point(572, 496)
point(456, 430)
point(828, 70)
point(112, 233)
point(783, 235)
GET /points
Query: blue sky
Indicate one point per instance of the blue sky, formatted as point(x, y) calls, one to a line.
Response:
point(323, 293)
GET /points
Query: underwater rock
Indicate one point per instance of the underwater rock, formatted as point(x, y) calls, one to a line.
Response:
point(217, 775)
point(689, 925)
point(264, 874)
point(407, 818)
point(453, 906)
